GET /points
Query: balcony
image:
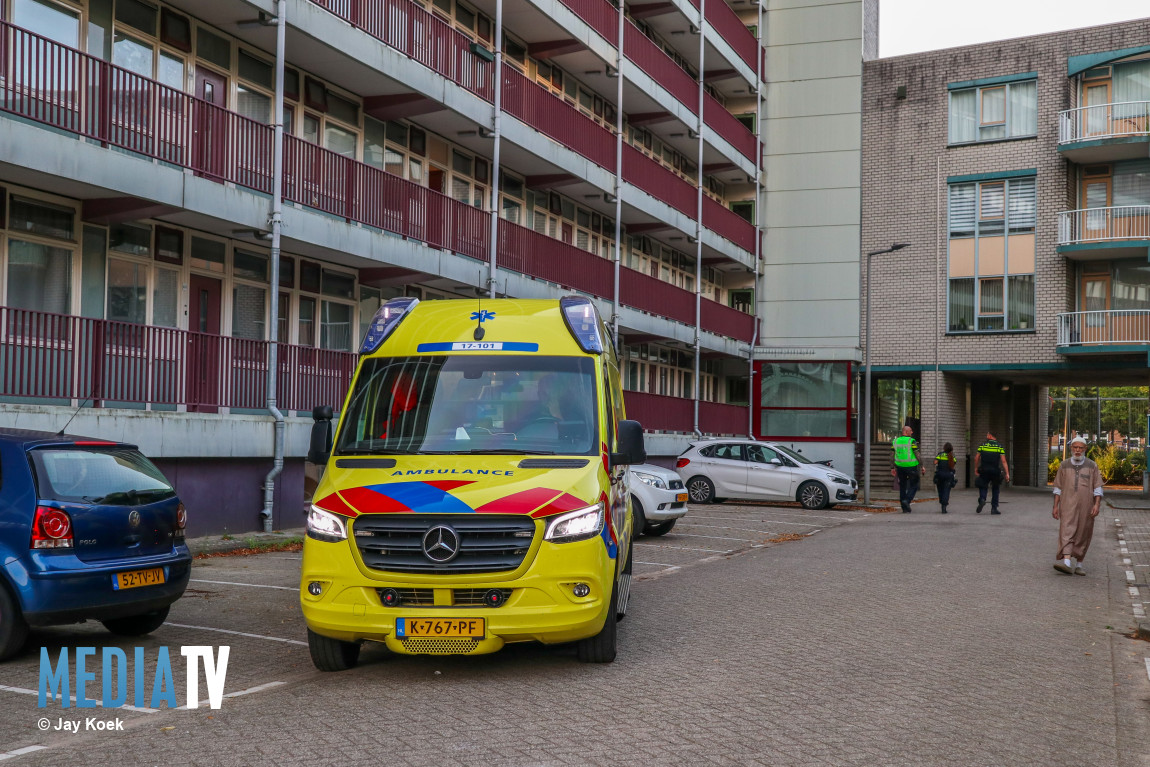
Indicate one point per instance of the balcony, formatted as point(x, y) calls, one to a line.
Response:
point(422, 36)
point(1110, 331)
point(93, 98)
point(63, 358)
point(1116, 232)
point(1105, 132)
point(677, 414)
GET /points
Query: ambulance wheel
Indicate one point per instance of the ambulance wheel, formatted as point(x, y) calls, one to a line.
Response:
point(137, 625)
point(601, 647)
point(13, 629)
point(329, 654)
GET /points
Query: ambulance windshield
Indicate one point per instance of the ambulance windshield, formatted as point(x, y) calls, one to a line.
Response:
point(464, 404)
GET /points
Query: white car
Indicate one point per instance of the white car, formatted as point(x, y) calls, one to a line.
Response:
point(658, 498)
point(717, 469)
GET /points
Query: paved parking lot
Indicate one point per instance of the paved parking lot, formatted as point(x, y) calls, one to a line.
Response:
point(884, 639)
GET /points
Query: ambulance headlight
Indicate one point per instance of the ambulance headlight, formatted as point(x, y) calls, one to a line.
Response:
point(325, 526)
point(575, 525)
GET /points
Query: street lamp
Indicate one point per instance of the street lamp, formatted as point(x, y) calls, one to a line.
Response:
point(867, 401)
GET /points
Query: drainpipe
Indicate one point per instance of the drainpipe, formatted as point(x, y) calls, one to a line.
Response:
point(758, 217)
point(699, 215)
point(497, 130)
point(618, 175)
point(273, 309)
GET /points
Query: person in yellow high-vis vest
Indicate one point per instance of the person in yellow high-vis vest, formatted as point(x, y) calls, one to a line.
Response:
point(907, 467)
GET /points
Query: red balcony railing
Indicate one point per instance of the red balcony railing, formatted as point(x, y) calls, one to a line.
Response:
point(551, 115)
point(649, 57)
point(409, 29)
point(70, 90)
point(725, 321)
point(55, 356)
point(600, 15)
point(727, 23)
point(652, 295)
point(658, 412)
point(721, 418)
point(657, 181)
point(726, 223)
point(538, 255)
point(728, 126)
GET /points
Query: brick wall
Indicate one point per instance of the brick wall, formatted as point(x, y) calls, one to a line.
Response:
point(905, 163)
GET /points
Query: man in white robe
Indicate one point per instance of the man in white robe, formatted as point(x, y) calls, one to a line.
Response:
point(1077, 499)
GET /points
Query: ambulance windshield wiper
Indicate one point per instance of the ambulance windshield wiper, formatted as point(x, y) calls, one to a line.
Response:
point(489, 451)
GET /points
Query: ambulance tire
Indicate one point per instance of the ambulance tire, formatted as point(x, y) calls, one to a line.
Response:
point(13, 628)
point(137, 625)
point(329, 654)
point(601, 647)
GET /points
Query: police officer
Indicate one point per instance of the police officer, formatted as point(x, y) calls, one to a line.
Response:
point(944, 474)
point(906, 467)
point(992, 472)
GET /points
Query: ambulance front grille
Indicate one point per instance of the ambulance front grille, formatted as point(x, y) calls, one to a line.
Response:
point(488, 543)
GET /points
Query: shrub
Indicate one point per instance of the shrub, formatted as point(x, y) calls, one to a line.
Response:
point(1124, 475)
point(1107, 461)
point(1138, 461)
point(1052, 467)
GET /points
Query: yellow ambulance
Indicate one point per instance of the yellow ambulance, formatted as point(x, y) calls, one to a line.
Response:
point(475, 487)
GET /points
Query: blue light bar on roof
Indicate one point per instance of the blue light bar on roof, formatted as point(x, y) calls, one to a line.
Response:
point(386, 320)
point(583, 321)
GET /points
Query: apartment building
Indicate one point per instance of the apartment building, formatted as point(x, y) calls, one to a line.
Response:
point(136, 175)
point(1018, 173)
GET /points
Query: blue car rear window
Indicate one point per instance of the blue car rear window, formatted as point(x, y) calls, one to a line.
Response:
point(119, 477)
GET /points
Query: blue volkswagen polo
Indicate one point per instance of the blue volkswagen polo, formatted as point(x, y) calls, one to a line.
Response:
point(88, 530)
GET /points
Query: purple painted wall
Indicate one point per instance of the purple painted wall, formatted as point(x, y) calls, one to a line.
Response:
point(227, 495)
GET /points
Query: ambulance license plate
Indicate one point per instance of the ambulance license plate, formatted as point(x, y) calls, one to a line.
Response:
point(409, 628)
point(681, 498)
point(131, 580)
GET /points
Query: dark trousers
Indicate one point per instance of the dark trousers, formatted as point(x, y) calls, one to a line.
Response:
point(991, 479)
point(907, 484)
point(943, 480)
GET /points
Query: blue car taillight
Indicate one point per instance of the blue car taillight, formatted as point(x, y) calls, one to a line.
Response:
point(51, 529)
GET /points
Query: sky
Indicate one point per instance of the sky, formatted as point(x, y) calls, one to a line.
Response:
point(910, 26)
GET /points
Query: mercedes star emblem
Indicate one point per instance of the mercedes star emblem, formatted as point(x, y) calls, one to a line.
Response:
point(441, 544)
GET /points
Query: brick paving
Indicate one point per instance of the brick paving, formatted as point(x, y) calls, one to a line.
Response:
point(897, 639)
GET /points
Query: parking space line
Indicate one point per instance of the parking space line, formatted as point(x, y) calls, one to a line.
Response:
point(253, 585)
point(125, 707)
point(21, 752)
point(779, 510)
point(249, 691)
point(237, 633)
point(718, 537)
point(723, 527)
point(658, 564)
point(683, 548)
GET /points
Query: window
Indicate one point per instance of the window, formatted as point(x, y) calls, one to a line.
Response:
point(991, 255)
point(48, 19)
point(39, 277)
point(994, 112)
point(804, 400)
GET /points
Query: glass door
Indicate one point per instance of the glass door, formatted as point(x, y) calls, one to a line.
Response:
point(1096, 302)
point(1096, 116)
point(1096, 200)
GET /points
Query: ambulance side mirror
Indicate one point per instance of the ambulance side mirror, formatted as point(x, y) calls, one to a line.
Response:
point(321, 434)
point(631, 447)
